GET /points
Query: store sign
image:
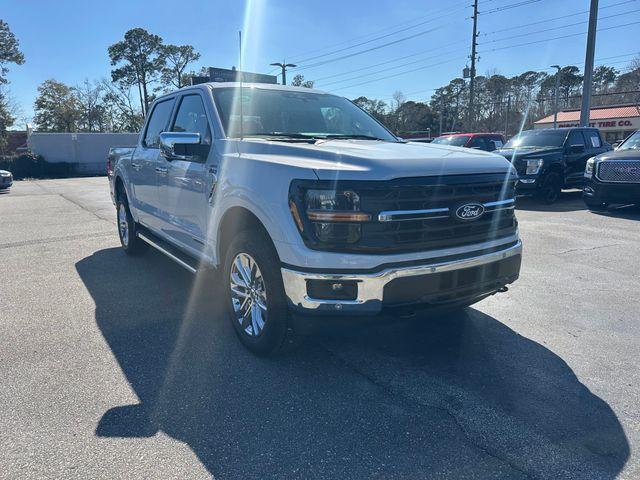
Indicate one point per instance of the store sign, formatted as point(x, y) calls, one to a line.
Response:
point(609, 124)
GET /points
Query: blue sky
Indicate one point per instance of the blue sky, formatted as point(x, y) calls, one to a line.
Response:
point(68, 40)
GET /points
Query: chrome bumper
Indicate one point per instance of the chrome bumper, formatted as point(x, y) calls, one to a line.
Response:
point(371, 285)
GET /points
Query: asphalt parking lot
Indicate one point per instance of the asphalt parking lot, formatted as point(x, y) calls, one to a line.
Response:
point(118, 367)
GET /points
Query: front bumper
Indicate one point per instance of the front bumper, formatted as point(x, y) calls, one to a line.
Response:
point(596, 191)
point(6, 182)
point(527, 185)
point(375, 291)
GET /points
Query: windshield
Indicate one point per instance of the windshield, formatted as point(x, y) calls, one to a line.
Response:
point(631, 143)
point(537, 138)
point(455, 140)
point(294, 115)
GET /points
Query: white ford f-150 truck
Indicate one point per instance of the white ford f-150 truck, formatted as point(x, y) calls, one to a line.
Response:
point(307, 207)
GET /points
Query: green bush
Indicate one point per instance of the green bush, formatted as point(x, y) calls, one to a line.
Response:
point(29, 165)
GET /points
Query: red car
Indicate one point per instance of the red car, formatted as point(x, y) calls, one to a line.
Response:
point(481, 141)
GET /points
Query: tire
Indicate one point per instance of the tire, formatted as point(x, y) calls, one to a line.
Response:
point(550, 189)
point(127, 228)
point(254, 294)
point(597, 206)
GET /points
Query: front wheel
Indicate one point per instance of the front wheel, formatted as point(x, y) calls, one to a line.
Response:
point(255, 294)
point(596, 206)
point(550, 189)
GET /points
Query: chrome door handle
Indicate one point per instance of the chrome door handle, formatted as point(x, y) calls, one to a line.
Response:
point(162, 170)
point(136, 166)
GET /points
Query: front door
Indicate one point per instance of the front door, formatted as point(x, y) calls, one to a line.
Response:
point(577, 155)
point(145, 166)
point(184, 191)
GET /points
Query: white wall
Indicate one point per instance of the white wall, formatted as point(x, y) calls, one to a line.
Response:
point(88, 151)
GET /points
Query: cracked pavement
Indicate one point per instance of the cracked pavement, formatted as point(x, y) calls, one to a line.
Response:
point(123, 367)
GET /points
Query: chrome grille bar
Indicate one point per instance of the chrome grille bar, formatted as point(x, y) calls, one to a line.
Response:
point(435, 213)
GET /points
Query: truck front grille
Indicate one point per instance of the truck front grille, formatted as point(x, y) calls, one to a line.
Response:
point(619, 171)
point(433, 223)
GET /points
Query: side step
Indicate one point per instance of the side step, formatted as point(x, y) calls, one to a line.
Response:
point(169, 250)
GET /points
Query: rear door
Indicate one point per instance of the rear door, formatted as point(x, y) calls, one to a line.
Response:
point(145, 164)
point(184, 199)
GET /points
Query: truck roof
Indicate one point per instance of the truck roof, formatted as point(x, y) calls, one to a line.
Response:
point(264, 86)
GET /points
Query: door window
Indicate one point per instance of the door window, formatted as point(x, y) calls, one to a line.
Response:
point(479, 142)
point(192, 118)
point(576, 138)
point(157, 123)
point(593, 139)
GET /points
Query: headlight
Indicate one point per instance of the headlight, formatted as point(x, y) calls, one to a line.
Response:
point(534, 166)
point(5, 174)
point(335, 215)
point(591, 163)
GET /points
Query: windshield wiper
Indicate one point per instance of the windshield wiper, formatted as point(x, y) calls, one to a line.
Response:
point(338, 136)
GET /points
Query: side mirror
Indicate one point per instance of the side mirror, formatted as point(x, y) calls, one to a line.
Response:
point(493, 145)
point(173, 144)
point(615, 145)
point(577, 148)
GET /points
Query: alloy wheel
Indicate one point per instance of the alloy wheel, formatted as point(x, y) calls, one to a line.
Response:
point(248, 294)
point(123, 224)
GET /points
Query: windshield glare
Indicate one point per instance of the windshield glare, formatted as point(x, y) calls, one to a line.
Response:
point(631, 143)
point(282, 113)
point(454, 140)
point(533, 138)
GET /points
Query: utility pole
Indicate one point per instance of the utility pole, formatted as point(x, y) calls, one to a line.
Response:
point(588, 65)
point(557, 94)
point(284, 65)
point(441, 109)
point(472, 74)
point(506, 117)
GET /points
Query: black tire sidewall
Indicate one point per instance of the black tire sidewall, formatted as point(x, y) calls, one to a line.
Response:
point(135, 245)
point(551, 182)
point(259, 247)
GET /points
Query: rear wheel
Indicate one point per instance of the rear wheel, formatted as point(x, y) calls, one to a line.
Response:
point(550, 189)
point(255, 294)
point(127, 228)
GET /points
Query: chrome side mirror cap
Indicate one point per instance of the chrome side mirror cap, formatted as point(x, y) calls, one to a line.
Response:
point(170, 140)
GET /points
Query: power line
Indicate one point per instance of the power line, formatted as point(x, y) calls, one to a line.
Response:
point(387, 69)
point(431, 20)
point(517, 27)
point(399, 74)
point(557, 38)
point(371, 49)
point(510, 6)
point(557, 28)
point(386, 62)
point(430, 15)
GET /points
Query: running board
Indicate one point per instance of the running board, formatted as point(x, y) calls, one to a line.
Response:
point(163, 247)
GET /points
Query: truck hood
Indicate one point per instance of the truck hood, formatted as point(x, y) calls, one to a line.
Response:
point(513, 154)
point(375, 160)
point(628, 154)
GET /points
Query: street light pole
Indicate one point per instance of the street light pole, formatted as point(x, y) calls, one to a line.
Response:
point(284, 67)
point(588, 65)
point(557, 92)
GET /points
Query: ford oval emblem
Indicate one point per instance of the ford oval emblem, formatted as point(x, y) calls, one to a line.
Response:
point(470, 211)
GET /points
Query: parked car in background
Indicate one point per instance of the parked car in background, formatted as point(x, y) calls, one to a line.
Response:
point(548, 160)
point(6, 179)
point(614, 177)
point(309, 207)
point(480, 141)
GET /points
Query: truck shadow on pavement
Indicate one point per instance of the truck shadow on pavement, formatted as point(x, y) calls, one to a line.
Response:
point(463, 396)
point(569, 201)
